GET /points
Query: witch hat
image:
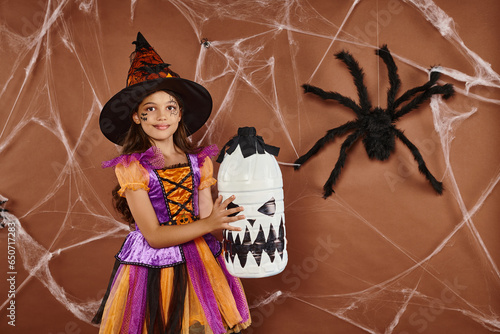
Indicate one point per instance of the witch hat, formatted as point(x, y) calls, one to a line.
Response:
point(149, 73)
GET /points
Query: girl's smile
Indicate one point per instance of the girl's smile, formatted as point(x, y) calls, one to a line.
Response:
point(162, 126)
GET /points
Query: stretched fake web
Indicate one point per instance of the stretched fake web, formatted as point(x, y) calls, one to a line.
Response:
point(243, 60)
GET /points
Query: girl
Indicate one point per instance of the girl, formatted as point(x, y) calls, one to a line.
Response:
point(169, 276)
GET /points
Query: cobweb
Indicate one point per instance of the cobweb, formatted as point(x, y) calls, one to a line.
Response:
point(245, 67)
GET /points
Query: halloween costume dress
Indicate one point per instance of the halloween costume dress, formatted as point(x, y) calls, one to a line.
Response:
point(180, 289)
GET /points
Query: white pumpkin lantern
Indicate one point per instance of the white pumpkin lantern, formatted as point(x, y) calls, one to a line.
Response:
point(249, 171)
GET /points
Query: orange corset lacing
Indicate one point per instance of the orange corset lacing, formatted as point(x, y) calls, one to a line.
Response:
point(178, 186)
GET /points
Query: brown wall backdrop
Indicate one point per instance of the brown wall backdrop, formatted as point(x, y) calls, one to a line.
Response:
point(384, 254)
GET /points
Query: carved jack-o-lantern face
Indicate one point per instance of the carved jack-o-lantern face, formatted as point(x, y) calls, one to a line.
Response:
point(254, 177)
point(255, 249)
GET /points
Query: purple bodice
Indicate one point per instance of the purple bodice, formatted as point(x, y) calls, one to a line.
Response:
point(136, 250)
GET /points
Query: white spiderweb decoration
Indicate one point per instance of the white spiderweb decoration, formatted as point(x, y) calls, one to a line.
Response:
point(245, 68)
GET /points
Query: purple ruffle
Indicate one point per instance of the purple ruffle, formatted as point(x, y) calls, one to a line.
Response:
point(152, 156)
point(209, 151)
point(137, 251)
point(155, 159)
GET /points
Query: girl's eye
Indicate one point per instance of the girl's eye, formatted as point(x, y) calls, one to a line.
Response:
point(171, 108)
point(150, 109)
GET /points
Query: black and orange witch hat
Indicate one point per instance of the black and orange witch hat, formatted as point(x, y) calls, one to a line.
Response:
point(148, 73)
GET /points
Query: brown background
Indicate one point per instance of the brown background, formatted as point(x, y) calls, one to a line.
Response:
point(385, 254)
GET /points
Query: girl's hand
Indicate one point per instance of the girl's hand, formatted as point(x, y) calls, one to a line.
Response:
point(219, 218)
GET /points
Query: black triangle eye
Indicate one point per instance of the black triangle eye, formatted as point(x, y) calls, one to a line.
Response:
point(232, 206)
point(268, 208)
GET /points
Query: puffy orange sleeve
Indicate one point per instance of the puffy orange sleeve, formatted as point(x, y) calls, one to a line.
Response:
point(132, 177)
point(206, 171)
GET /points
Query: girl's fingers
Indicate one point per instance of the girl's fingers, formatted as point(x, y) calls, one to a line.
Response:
point(228, 200)
point(221, 213)
point(233, 219)
point(218, 200)
point(233, 210)
point(236, 218)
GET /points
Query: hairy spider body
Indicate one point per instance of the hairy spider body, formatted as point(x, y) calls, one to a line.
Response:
point(378, 138)
point(376, 126)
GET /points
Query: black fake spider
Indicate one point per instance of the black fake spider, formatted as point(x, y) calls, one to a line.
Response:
point(376, 125)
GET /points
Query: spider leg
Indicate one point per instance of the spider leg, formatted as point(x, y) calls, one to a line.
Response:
point(328, 187)
point(349, 103)
point(394, 80)
point(358, 76)
point(411, 92)
point(446, 90)
point(330, 136)
point(438, 186)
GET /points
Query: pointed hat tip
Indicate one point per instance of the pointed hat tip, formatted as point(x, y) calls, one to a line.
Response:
point(140, 42)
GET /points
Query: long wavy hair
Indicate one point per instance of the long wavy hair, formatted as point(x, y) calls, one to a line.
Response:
point(137, 141)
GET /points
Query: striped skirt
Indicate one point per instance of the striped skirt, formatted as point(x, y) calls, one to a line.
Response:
point(198, 296)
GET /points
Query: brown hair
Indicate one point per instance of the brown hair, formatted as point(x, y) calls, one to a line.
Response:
point(137, 141)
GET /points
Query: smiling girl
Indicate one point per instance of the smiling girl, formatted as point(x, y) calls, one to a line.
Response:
point(169, 276)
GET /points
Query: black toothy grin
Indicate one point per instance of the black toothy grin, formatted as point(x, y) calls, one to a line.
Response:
point(241, 249)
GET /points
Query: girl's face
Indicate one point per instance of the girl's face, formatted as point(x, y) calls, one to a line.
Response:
point(159, 115)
